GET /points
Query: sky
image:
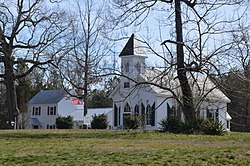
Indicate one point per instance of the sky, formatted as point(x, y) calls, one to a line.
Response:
point(158, 26)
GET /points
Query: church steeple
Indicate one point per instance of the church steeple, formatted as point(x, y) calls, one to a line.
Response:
point(132, 62)
point(132, 47)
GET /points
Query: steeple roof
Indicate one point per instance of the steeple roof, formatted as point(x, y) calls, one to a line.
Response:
point(132, 47)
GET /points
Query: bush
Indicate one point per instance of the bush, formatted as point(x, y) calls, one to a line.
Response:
point(99, 121)
point(174, 125)
point(131, 122)
point(64, 122)
point(192, 127)
point(171, 124)
point(212, 127)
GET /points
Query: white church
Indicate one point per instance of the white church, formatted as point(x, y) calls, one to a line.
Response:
point(139, 93)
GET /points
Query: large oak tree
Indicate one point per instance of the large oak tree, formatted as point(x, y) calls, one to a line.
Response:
point(30, 33)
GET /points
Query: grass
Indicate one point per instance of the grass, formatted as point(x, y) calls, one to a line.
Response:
point(103, 147)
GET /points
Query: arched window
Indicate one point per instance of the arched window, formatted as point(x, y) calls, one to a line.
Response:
point(150, 115)
point(148, 112)
point(115, 115)
point(136, 111)
point(127, 108)
point(142, 114)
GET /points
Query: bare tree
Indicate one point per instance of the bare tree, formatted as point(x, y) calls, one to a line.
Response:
point(82, 64)
point(197, 24)
point(29, 33)
point(236, 83)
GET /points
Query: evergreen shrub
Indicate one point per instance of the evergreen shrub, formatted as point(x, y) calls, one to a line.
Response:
point(131, 122)
point(99, 121)
point(64, 122)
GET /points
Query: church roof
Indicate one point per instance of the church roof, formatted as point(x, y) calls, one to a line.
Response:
point(47, 97)
point(132, 47)
point(202, 87)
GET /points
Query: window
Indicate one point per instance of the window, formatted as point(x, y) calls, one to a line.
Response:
point(213, 114)
point(119, 116)
point(136, 111)
point(115, 115)
point(36, 111)
point(143, 114)
point(148, 110)
point(126, 85)
point(127, 108)
point(51, 110)
point(150, 115)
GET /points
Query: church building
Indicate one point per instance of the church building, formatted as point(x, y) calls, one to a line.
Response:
point(153, 95)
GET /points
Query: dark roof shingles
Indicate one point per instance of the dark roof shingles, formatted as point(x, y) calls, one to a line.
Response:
point(48, 97)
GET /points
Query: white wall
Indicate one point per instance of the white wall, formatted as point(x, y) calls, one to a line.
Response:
point(65, 107)
point(43, 118)
point(222, 108)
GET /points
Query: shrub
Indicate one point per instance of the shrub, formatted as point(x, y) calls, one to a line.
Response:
point(99, 121)
point(171, 124)
point(131, 122)
point(193, 126)
point(64, 122)
point(212, 127)
point(174, 125)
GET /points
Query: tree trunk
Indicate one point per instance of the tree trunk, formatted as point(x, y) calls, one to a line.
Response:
point(10, 92)
point(188, 106)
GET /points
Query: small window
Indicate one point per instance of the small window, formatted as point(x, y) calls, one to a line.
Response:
point(36, 111)
point(51, 110)
point(126, 84)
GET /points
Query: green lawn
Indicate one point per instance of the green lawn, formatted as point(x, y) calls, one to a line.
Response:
point(103, 147)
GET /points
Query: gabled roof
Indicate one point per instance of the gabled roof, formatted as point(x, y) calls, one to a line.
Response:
point(132, 47)
point(201, 85)
point(47, 97)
